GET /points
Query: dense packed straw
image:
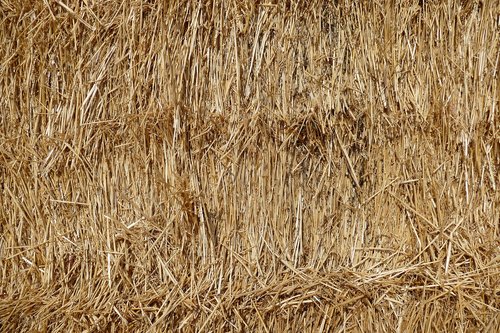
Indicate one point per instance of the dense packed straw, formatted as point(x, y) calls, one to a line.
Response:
point(249, 166)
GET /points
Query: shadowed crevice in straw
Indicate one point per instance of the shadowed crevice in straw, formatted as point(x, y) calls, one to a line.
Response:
point(249, 166)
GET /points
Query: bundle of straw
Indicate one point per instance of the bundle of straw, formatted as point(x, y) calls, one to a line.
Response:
point(275, 166)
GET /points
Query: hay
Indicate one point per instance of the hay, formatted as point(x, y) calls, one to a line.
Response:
point(249, 166)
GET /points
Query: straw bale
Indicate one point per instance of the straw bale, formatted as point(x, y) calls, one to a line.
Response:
point(249, 166)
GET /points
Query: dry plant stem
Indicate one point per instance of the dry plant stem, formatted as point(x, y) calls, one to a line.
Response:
point(234, 166)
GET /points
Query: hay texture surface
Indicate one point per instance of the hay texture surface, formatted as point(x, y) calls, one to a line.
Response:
point(249, 166)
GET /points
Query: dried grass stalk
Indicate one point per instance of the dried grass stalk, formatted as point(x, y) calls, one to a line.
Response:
point(249, 166)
